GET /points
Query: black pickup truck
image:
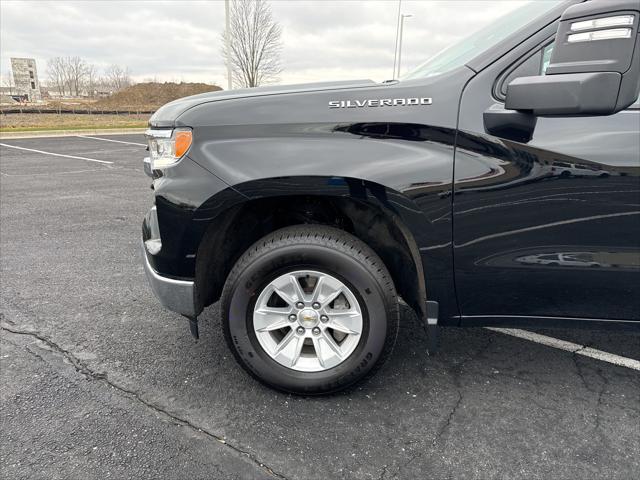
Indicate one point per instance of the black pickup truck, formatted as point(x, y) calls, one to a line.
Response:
point(496, 184)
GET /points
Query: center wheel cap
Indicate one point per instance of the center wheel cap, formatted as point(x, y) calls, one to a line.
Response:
point(308, 318)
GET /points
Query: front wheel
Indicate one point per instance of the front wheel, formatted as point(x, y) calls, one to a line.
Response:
point(310, 309)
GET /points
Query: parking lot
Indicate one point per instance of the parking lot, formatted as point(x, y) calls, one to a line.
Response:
point(98, 381)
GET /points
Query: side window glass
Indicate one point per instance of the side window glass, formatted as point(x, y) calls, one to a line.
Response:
point(527, 68)
point(546, 58)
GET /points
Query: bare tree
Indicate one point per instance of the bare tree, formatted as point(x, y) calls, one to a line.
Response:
point(56, 74)
point(91, 79)
point(7, 81)
point(72, 75)
point(76, 69)
point(118, 77)
point(253, 44)
point(67, 74)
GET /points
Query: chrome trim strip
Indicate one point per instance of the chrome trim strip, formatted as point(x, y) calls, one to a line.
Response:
point(596, 35)
point(158, 133)
point(175, 295)
point(603, 22)
point(146, 162)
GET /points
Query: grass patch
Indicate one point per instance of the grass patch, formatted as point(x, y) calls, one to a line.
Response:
point(31, 122)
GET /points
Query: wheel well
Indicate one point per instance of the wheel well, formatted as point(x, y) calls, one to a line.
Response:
point(234, 231)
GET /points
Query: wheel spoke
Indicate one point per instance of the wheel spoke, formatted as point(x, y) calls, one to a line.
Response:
point(326, 290)
point(289, 348)
point(284, 296)
point(267, 319)
point(346, 322)
point(297, 349)
point(331, 343)
point(288, 288)
point(330, 298)
point(295, 283)
point(285, 342)
point(317, 289)
point(317, 346)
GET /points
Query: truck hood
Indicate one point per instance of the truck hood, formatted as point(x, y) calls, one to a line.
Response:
point(166, 115)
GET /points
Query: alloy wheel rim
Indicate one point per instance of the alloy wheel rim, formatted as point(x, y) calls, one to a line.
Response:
point(308, 321)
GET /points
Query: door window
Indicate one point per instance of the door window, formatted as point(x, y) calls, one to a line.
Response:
point(546, 58)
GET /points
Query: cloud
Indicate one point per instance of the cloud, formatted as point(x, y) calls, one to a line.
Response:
point(171, 40)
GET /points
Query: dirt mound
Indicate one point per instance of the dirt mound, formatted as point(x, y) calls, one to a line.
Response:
point(145, 96)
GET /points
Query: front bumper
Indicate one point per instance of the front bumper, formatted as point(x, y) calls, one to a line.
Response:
point(176, 295)
point(169, 258)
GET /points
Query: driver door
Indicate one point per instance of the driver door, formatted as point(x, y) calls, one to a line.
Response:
point(548, 230)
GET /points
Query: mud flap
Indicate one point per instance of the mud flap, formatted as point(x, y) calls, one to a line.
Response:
point(193, 327)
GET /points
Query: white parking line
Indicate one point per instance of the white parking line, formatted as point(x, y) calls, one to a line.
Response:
point(48, 174)
point(57, 154)
point(114, 141)
point(570, 347)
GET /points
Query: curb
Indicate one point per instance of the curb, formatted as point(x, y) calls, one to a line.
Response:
point(69, 133)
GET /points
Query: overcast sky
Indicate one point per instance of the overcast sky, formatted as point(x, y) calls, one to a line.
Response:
point(180, 40)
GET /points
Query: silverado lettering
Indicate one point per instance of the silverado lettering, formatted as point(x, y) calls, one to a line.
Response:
point(381, 102)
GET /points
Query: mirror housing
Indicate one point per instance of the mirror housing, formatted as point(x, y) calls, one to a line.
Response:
point(595, 64)
point(566, 94)
point(517, 126)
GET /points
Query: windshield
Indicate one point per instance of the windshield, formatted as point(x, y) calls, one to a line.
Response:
point(460, 53)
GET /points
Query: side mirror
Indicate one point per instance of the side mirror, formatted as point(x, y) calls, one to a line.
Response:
point(595, 64)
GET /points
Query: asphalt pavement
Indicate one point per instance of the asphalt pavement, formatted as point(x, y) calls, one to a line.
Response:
point(98, 381)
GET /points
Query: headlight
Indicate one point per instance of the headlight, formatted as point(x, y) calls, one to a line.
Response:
point(167, 147)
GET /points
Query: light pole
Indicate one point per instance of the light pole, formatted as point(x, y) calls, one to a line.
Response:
point(227, 36)
point(395, 47)
point(402, 17)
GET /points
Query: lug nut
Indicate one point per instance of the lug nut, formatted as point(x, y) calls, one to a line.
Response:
point(293, 317)
point(316, 305)
point(324, 318)
point(316, 331)
point(300, 330)
point(299, 305)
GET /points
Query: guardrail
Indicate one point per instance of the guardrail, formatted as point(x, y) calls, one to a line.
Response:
point(78, 111)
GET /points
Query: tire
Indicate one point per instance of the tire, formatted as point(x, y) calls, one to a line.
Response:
point(311, 251)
